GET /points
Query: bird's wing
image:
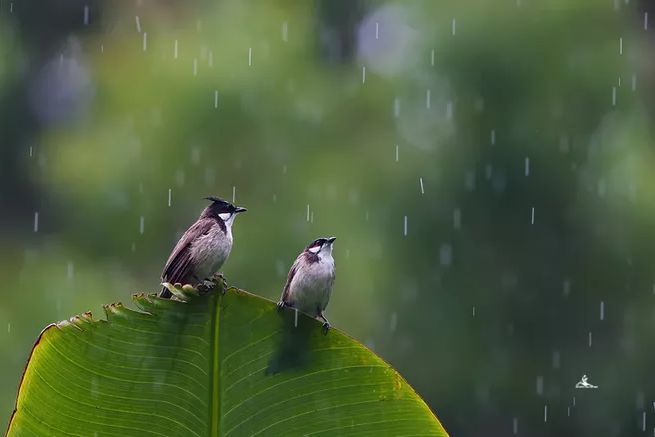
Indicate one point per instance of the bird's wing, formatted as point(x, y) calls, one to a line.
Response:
point(292, 272)
point(179, 262)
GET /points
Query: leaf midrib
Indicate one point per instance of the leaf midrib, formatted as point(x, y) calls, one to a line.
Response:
point(215, 402)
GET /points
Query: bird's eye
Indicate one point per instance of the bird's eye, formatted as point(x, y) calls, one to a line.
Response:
point(225, 215)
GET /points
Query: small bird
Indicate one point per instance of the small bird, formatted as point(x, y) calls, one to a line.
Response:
point(203, 248)
point(310, 280)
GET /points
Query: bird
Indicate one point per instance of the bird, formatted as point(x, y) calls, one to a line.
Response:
point(203, 248)
point(310, 280)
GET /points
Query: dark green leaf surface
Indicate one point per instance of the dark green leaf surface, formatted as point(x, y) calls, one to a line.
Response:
point(214, 365)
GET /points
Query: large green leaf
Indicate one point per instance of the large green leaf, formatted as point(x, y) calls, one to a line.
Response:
point(215, 365)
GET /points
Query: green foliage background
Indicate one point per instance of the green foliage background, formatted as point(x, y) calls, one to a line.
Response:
point(486, 314)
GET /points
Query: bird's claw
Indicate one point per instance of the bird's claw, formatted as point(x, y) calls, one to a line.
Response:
point(205, 286)
point(219, 278)
point(326, 327)
point(280, 305)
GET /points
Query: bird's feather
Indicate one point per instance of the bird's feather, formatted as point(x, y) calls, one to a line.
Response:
point(178, 266)
point(290, 276)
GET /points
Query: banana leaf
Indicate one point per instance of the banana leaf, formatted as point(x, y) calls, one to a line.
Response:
point(210, 365)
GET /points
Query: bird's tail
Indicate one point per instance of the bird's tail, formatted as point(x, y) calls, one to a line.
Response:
point(165, 293)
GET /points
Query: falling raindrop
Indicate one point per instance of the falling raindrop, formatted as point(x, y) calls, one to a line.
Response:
point(377, 30)
point(427, 98)
point(70, 270)
point(396, 107)
point(285, 32)
point(488, 171)
point(457, 218)
point(170, 196)
point(363, 74)
point(397, 153)
point(308, 212)
point(602, 310)
point(515, 425)
point(141, 224)
point(420, 180)
point(469, 180)
point(210, 176)
point(493, 137)
point(613, 96)
point(405, 226)
point(31, 152)
point(36, 221)
point(215, 99)
point(589, 338)
point(620, 46)
point(532, 216)
point(556, 359)
point(568, 411)
point(86, 15)
point(138, 24)
point(449, 110)
point(145, 41)
point(445, 254)
point(175, 50)
point(545, 413)
point(473, 310)
point(643, 421)
point(249, 56)
point(195, 66)
point(454, 26)
point(295, 318)
point(527, 166)
point(234, 193)
point(645, 20)
point(432, 57)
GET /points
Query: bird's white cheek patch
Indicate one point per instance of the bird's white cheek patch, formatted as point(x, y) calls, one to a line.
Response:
point(315, 249)
point(224, 216)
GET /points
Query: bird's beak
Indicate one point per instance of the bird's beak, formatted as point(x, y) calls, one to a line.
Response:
point(331, 240)
point(239, 209)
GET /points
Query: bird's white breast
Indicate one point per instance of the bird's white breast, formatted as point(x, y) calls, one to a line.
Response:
point(311, 287)
point(210, 251)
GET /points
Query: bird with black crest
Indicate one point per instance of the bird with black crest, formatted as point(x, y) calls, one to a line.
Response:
point(203, 248)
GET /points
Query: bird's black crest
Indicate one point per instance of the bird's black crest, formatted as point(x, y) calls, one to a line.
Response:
point(219, 205)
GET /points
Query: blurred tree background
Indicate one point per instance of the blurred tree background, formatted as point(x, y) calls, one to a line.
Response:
point(486, 166)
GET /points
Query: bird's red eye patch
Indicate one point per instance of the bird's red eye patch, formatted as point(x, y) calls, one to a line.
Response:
point(316, 245)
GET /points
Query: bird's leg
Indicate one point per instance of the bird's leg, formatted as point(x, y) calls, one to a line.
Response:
point(219, 277)
point(280, 305)
point(326, 324)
